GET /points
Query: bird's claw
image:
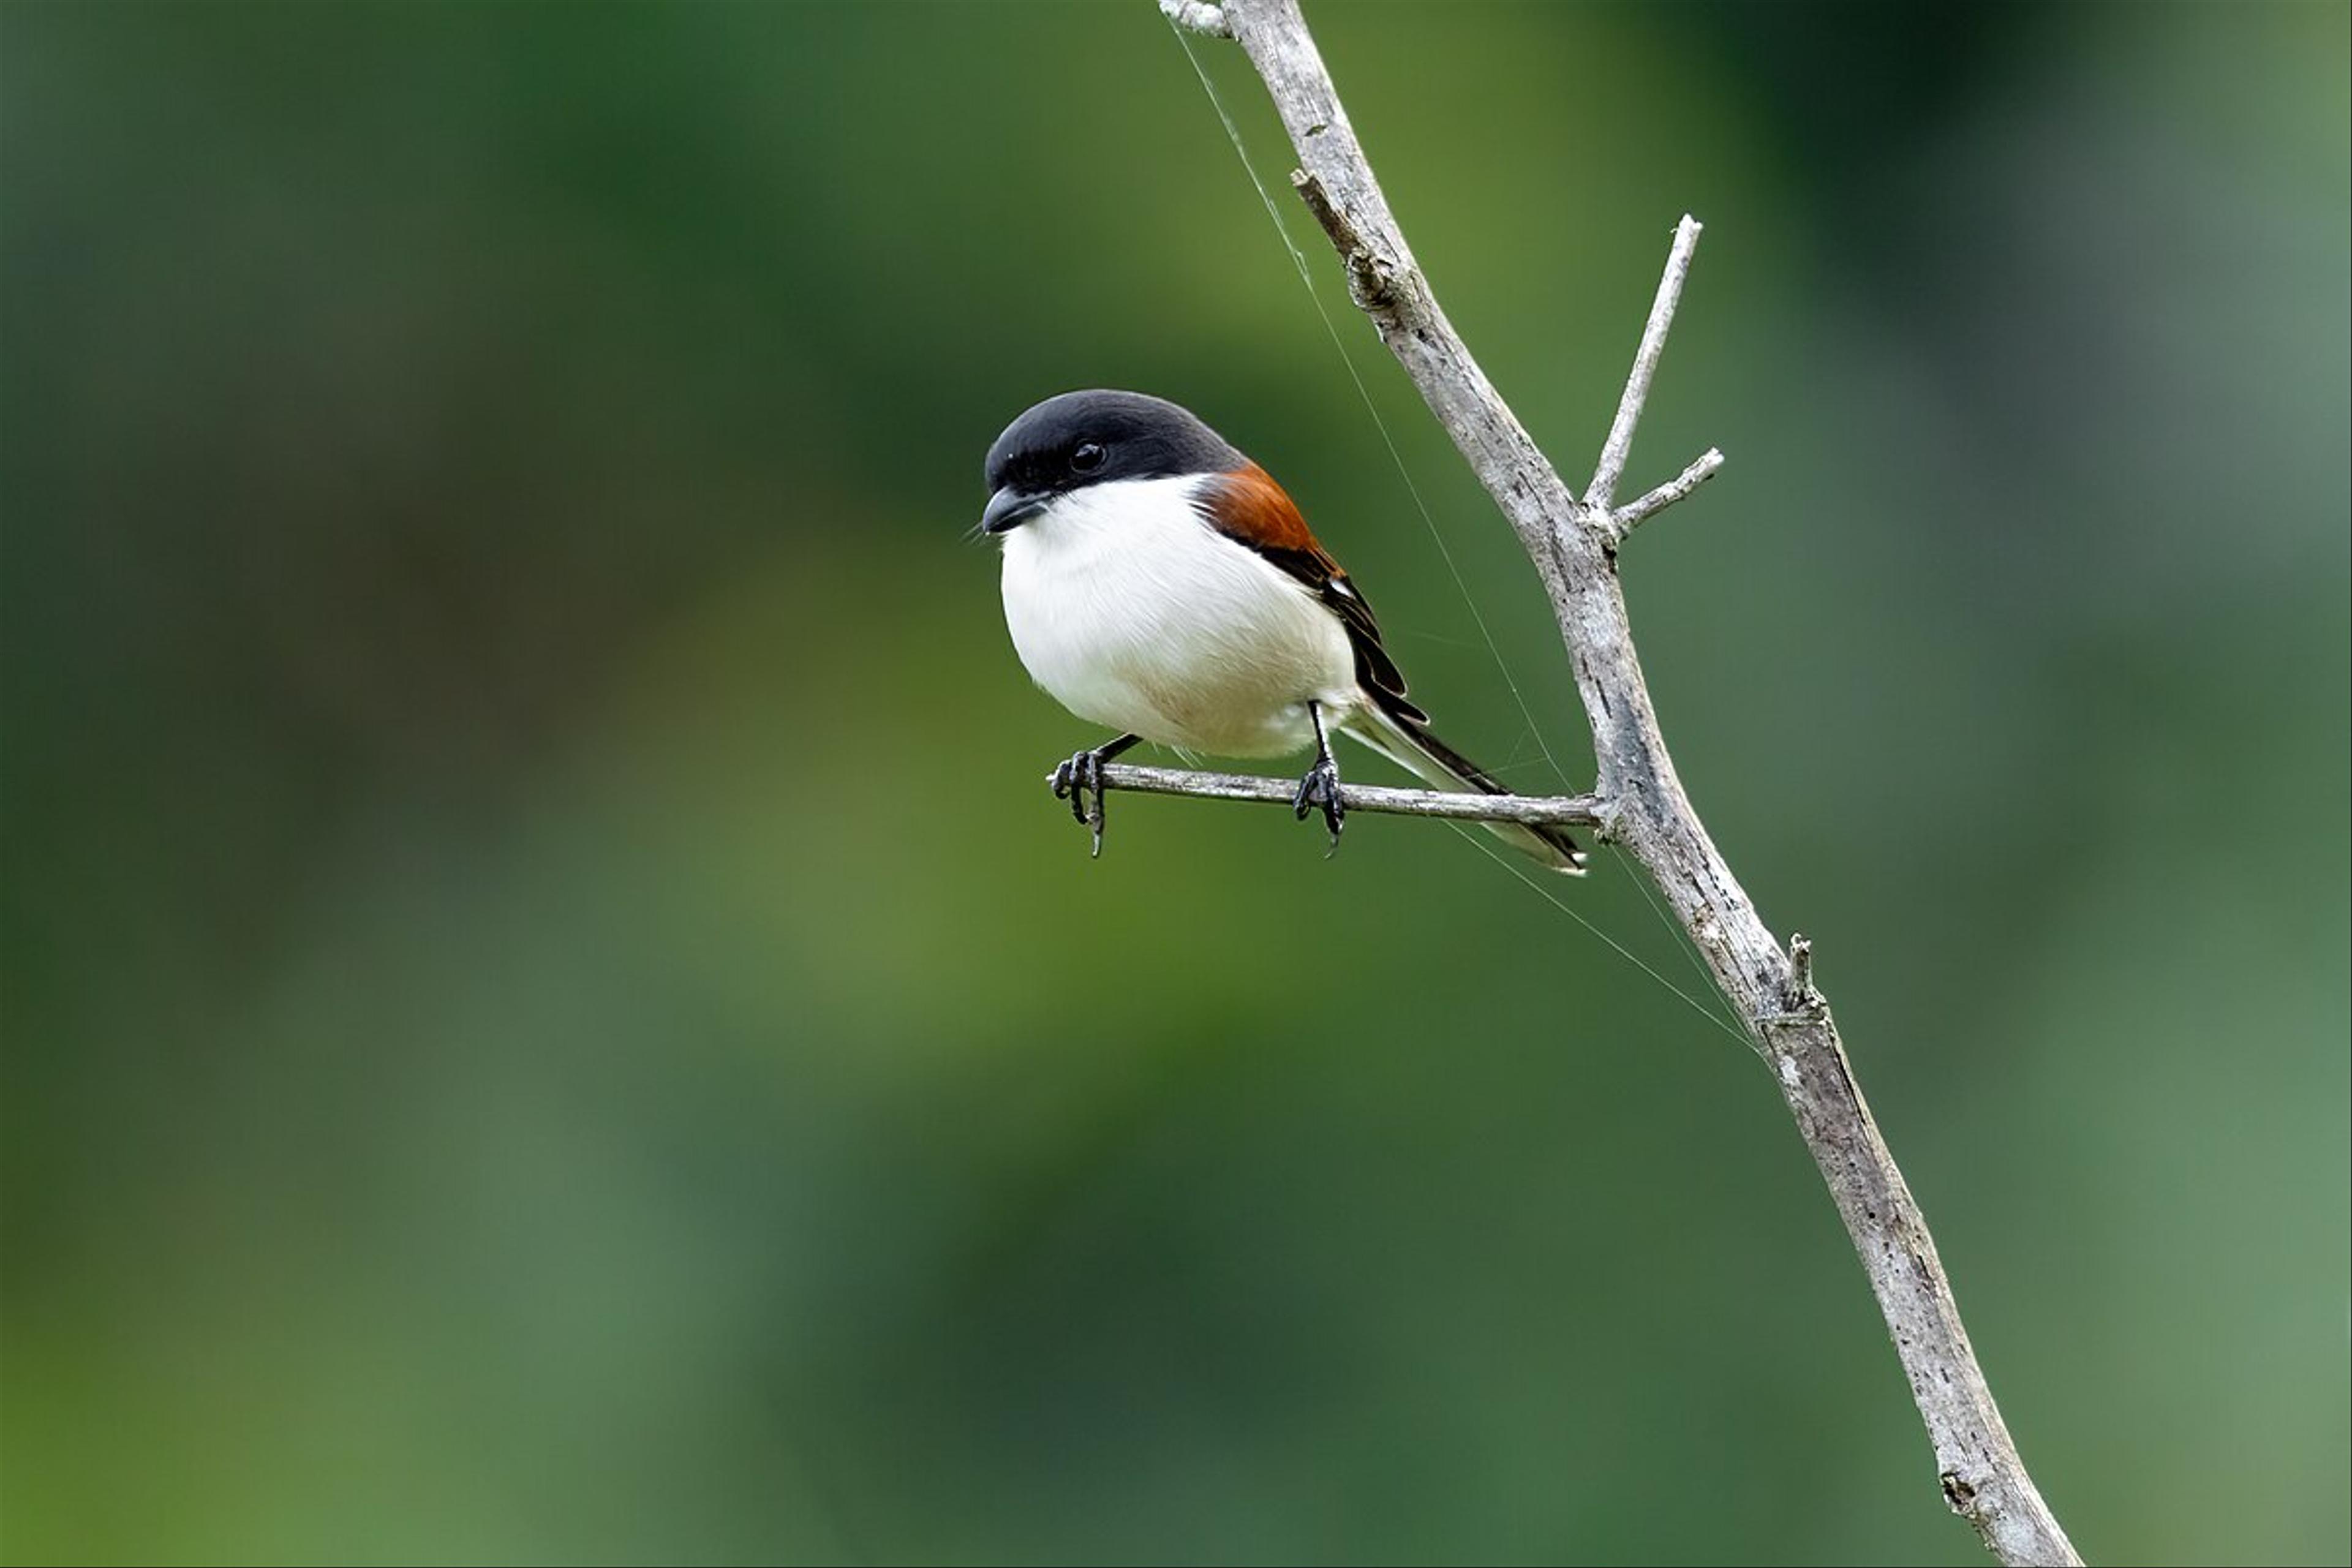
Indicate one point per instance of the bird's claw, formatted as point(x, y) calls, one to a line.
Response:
point(1074, 781)
point(1320, 789)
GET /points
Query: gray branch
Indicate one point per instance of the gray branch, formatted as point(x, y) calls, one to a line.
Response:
point(1573, 548)
point(1634, 513)
point(1535, 810)
point(1199, 15)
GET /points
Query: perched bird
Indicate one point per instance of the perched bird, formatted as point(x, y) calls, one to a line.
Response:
point(1158, 583)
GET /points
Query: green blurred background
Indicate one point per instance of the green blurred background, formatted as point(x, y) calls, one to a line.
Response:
point(548, 1016)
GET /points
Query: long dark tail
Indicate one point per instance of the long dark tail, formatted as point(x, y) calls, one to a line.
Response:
point(1411, 745)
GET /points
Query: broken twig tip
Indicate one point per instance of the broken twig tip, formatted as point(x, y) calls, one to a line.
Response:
point(1802, 997)
point(1201, 16)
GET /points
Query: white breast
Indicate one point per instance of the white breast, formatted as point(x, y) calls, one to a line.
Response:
point(1137, 615)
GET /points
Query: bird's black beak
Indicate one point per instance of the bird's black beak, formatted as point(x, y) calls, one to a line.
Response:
point(1009, 507)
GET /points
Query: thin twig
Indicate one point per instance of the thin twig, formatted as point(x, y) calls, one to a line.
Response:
point(1534, 810)
point(1572, 548)
point(1634, 513)
point(1613, 451)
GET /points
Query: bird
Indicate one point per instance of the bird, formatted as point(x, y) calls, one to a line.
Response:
point(1158, 583)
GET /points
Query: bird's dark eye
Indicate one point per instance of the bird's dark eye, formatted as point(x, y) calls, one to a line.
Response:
point(1088, 457)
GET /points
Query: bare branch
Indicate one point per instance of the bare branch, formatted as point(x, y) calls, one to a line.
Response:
point(1370, 281)
point(1634, 513)
point(1534, 810)
point(1613, 451)
point(1638, 790)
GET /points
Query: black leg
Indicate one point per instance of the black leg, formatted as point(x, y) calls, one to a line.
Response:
point(1083, 773)
point(1320, 787)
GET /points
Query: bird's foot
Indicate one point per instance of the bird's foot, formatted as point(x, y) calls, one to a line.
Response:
point(1320, 789)
point(1074, 781)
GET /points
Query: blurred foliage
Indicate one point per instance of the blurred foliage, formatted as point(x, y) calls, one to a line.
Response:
point(549, 1017)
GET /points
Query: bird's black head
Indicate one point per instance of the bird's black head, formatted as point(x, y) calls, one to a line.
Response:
point(1082, 438)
